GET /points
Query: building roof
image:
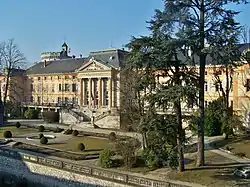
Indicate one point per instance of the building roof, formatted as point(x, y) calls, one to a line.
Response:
point(114, 57)
point(110, 57)
point(57, 66)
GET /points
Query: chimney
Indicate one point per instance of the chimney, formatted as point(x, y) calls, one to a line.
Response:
point(80, 55)
point(73, 56)
point(44, 63)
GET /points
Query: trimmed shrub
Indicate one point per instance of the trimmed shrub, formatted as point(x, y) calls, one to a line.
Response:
point(240, 154)
point(50, 116)
point(58, 130)
point(40, 136)
point(105, 158)
point(7, 134)
point(75, 133)
point(81, 146)
point(18, 125)
point(41, 128)
point(68, 131)
point(112, 136)
point(44, 140)
point(31, 114)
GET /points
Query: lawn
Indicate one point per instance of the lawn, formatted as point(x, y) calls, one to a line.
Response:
point(17, 131)
point(237, 145)
point(92, 144)
point(217, 172)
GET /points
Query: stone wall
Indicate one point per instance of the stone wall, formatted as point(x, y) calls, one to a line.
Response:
point(52, 172)
point(111, 122)
point(67, 118)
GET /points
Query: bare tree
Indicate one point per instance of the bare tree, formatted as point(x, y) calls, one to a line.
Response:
point(11, 60)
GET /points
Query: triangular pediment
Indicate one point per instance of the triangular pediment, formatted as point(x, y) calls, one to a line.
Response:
point(94, 65)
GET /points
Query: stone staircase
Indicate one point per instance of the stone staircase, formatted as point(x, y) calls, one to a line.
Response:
point(86, 117)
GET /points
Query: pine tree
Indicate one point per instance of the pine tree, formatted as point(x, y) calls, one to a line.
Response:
point(198, 22)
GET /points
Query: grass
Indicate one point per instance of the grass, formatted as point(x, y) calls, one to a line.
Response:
point(17, 131)
point(92, 144)
point(217, 172)
point(237, 145)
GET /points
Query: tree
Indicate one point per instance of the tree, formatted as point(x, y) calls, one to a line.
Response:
point(161, 55)
point(199, 23)
point(11, 60)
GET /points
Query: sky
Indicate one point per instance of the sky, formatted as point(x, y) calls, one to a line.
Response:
point(86, 25)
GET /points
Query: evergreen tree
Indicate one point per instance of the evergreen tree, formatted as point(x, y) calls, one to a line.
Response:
point(197, 22)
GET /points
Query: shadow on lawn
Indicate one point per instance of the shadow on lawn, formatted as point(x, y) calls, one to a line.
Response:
point(231, 165)
point(224, 142)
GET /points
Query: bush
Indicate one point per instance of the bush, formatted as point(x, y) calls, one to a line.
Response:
point(40, 136)
point(68, 131)
point(105, 158)
point(41, 128)
point(50, 116)
point(240, 154)
point(18, 125)
point(81, 147)
point(44, 140)
point(75, 133)
point(5, 119)
point(31, 114)
point(112, 136)
point(7, 134)
point(58, 130)
point(127, 149)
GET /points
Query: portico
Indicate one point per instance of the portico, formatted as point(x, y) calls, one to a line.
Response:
point(97, 85)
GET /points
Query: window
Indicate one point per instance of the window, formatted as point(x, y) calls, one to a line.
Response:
point(205, 72)
point(66, 99)
point(217, 87)
point(60, 87)
point(67, 88)
point(206, 87)
point(74, 88)
point(248, 85)
point(66, 77)
point(45, 78)
point(39, 78)
point(31, 87)
point(205, 103)
point(52, 88)
point(73, 77)
point(58, 77)
point(59, 100)
point(51, 78)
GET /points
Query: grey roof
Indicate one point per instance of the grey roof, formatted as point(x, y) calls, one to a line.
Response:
point(57, 66)
point(114, 57)
point(109, 57)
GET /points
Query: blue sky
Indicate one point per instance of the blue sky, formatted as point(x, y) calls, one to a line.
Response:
point(42, 25)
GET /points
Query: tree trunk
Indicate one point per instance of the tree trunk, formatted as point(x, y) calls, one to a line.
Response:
point(180, 138)
point(200, 144)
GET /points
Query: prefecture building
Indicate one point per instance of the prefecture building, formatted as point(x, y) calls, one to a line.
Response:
point(92, 85)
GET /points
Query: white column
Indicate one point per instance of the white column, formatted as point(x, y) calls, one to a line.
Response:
point(90, 92)
point(110, 92)
point(99, 92)
point(82, 92)
point(103, 91)
point(113, 93)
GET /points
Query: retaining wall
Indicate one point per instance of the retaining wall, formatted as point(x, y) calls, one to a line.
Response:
point(61, 173)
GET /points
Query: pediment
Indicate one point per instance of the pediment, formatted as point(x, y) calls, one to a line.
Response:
point(94, 65)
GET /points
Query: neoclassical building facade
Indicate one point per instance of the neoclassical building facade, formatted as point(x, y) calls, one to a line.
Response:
point(91, 86)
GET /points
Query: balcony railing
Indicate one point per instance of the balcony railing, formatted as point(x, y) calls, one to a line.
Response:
point(58, 104)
